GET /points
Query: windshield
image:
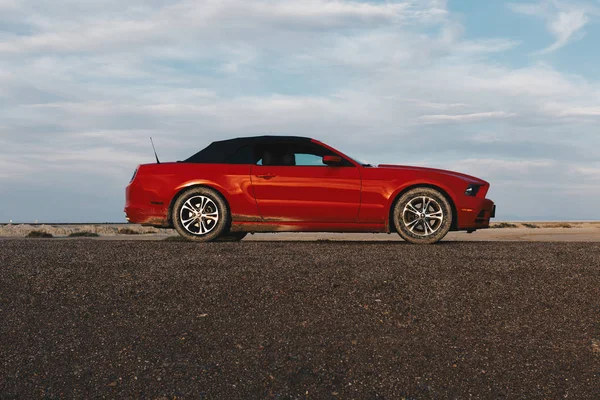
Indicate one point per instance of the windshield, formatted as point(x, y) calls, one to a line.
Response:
point(364, 164)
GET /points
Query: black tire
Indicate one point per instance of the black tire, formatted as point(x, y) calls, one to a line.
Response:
point(413, 225)
point(207, 203)
point(231, 237)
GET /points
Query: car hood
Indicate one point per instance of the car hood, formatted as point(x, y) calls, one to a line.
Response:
point(465, 177)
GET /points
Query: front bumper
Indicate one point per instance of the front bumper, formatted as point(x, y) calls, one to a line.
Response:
point(476, 214)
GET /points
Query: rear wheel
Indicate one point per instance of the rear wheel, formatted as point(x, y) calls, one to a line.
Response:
point(200, 214)
point(422, 216)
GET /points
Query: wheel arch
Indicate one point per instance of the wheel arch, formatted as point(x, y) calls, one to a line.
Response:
point(183, 189)
point(444, 192)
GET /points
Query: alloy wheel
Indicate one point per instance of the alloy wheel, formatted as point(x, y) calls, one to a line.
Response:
point(199, 215)
point(423, 216)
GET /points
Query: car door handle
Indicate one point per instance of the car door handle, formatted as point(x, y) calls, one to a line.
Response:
point(266, 176)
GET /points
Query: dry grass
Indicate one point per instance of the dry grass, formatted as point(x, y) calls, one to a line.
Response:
point(530, 226)
point(127, 231)
point(559, 225)
point(501, 225)
point(39, 234)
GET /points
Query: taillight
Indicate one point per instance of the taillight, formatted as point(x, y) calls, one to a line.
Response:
point(134, 174)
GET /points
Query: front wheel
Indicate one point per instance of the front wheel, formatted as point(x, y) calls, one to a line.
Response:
point(200, 214)
point(422, 216)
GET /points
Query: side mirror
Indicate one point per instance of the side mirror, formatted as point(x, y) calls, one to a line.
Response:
point(332, 160)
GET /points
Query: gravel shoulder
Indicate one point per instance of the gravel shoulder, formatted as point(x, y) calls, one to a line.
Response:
point(518, 231)
point(297, 320)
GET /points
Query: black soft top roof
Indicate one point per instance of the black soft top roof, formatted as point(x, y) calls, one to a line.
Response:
point(223, 151)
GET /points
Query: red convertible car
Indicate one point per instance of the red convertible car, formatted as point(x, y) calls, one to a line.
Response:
point(295, 184)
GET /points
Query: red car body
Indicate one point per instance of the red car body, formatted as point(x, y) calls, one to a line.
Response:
point(262, 198)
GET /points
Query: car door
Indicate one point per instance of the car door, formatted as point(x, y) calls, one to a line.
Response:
point(291, 183)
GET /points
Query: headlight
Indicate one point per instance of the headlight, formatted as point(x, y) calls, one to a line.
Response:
point(472, 190)
point(133, 177)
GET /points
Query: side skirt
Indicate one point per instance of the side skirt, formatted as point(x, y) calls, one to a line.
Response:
point(266, 226)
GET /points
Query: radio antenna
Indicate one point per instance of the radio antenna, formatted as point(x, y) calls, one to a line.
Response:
point(153, 148)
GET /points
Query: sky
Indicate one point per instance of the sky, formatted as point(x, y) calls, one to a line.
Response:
point(506, 91)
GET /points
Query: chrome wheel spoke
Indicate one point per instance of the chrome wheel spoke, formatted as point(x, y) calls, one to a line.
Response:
point(188, 223)
point(192, 216)
point(212, 216)
point(203, 202)
point(439, 215)
point(426, 202)
point(411, 208)
point(186, 207)
point(423, 216)
point(185, 221)
point(427, 226)
point(203, 226)
point(189, 206)
point(412, 225)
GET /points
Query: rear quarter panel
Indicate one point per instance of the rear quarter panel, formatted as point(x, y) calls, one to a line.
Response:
point(161, 183)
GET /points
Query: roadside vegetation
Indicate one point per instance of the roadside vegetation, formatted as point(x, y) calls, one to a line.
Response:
point(559, 225)
point(127, 231)
point(501, 225)
point(39, 234)
point(530, 226)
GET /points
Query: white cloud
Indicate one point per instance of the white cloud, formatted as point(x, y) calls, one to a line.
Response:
point(589, 172)
point(564, 26)
point(513, 168)
point(487, 45)
point(83, 86)
point(581, 111)
point(8, 4)
point(565, 20)
point(204, 22)
point(473, 117)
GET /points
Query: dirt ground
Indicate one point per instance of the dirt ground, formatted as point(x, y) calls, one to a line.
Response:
point(297, 320)
point(511, 231)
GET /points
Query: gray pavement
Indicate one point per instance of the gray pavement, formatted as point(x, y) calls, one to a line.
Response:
point(294, 320)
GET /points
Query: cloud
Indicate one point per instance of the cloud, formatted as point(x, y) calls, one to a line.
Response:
point(474, 117)
point(83, 86)
point(203, 22)
point(581, 111)
point(550, 186)
point(487, 46)
point(565, 26)
point(564, 20)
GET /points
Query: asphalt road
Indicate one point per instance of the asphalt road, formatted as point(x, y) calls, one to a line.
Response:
point(287, 320)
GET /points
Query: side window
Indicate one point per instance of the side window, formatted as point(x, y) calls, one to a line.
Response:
point(311, 155)
point(313, 160)
point(278, 154)
point(294, 154)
